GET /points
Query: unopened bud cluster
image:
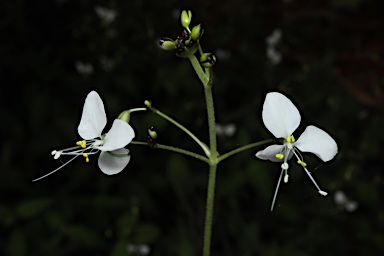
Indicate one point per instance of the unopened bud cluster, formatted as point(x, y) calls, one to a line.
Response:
point(186, 44)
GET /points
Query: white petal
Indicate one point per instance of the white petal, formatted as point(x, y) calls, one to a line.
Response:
point(114, 161)
point(269, 153)
point(93, 119)
point(119, 136)
point(279, 115)
point(318, 142)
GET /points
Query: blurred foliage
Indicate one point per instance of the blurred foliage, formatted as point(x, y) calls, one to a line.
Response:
point(54, 52)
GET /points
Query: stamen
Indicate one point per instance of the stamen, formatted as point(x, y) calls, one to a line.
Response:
point(298, 155)
point(286, 176)
point(97, 143)
point(82, 143)
point(291, 139)
point(279, 156)
point(314, 182)
point(86, 157)
point(301, 163)
point(323, 193)
point(276, 190)
point(55, 169)
point(56, 154)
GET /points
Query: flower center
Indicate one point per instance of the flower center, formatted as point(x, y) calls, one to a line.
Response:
point(83, 148)
point(290, 139)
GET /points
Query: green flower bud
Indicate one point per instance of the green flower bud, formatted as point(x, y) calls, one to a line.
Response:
point(197, 32)
point(125, 116)
point(152, 132)
point(186, 17)
point(148, 104)
point(207, 60)
point(167, 44)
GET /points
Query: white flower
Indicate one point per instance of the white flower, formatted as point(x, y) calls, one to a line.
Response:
point(113, 157)
point(282, 118)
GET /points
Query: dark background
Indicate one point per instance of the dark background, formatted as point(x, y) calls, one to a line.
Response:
point(332, 67)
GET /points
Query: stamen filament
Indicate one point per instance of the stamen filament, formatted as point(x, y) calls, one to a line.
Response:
point(55, 169)
point(313, 180)
point(276, 190)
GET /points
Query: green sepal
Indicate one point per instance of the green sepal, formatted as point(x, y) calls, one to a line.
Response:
point(125, 116)
point(207, 60)
point(167, 44)
point(197, 32)
point(185, 18)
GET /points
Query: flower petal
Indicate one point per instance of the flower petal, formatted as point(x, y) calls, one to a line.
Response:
point(269, 153)
point(119, 136)
point(112, 162)
point(93, 119)
point(318, 142)
point(279, 115)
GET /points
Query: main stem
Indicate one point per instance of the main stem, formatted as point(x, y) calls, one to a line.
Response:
point(209, 210)
point(205, 78)
point(211, 122)
point(212, 170)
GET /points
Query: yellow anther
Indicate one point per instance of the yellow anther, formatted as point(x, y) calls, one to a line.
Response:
point(86, 157)
point(301, 163)
point(291, 139)
point(279, 156)
point(82, 143)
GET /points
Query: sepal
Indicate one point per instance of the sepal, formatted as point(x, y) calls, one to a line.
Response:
point(185, 18)
point(167, 44)
point(197, 32)
point(207, 60)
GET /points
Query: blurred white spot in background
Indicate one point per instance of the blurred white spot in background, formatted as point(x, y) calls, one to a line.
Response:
point(222, 54)
point(105, 14)
point(84, 68)
point(138, 249)
point(273, 55)
point(343, 202)
point(225, 129)
point(107, 63)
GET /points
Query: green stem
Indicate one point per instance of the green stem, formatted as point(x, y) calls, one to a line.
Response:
point(212, 170)
point(205, 78)
point(200, 48)
point(209, 210)
point(211, 121)
point(173, 149)
point(243, 148)
point(137, 109)
point(181, 127)
point(199, 71)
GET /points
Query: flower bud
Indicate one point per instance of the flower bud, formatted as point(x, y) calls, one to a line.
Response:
point(207, 60)
point(197, 32)
point(125, 116)
point(186, 52)
point(152, 132)
point(186, 17)
point(167, 44)
point(148, 104)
